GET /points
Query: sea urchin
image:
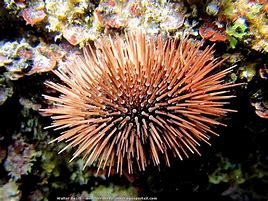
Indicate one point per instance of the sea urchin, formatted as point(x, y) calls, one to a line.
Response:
point(132, 101)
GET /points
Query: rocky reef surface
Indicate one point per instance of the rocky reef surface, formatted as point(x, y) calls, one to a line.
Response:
point(38, 36)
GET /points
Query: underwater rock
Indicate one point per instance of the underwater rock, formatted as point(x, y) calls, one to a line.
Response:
point(80, 21)
point(247, 22)
point(55, 16)
point(76, 34)
point(153, 16)
point(66, 16)
point(5, 93)
point(20, 58)
point(20, 159)
point(16, 57)
point(227, 172)
point(34, 14)
point(83, 196)
point(113, 192)
point(248, 71)
point(260, 101)
point(78, 174)
point(26, 51)
point(36, 196)
point(263, 72)
point(10, 192)
point(29, 104)
point(15, 6)
point(3, 153)
point(213, 8)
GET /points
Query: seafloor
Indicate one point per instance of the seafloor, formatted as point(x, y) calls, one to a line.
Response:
point(39, 36)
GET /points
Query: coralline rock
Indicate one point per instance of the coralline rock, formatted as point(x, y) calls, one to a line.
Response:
point(113, 192)
point(260, 101)
point(34, 14)
point(248, 71)
point(253, 31)
point(15, 6)
point(153, 16)
point(10, 192)
point(213, 8)
point(263, 72)
point(28, 104)
point(56, 16)
point(20, 159)
point(65, 16)
point(3, 153)
point(20, 58)
point(5, 93)
point(78, 21)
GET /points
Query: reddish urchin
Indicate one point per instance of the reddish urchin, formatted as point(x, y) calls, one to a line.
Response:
point(132, 101)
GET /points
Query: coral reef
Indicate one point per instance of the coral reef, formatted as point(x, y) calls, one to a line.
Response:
point(40, 35)
point(21, 58)
point(10, 191)
point(239, 175)
point(20, 158)
point(5, 92)
point(260, 101)
point(227, 172)
point(247, 22)
point(79, 21)
point(113, 192)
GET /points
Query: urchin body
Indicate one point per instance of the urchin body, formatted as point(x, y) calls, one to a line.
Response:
point(132, 101)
